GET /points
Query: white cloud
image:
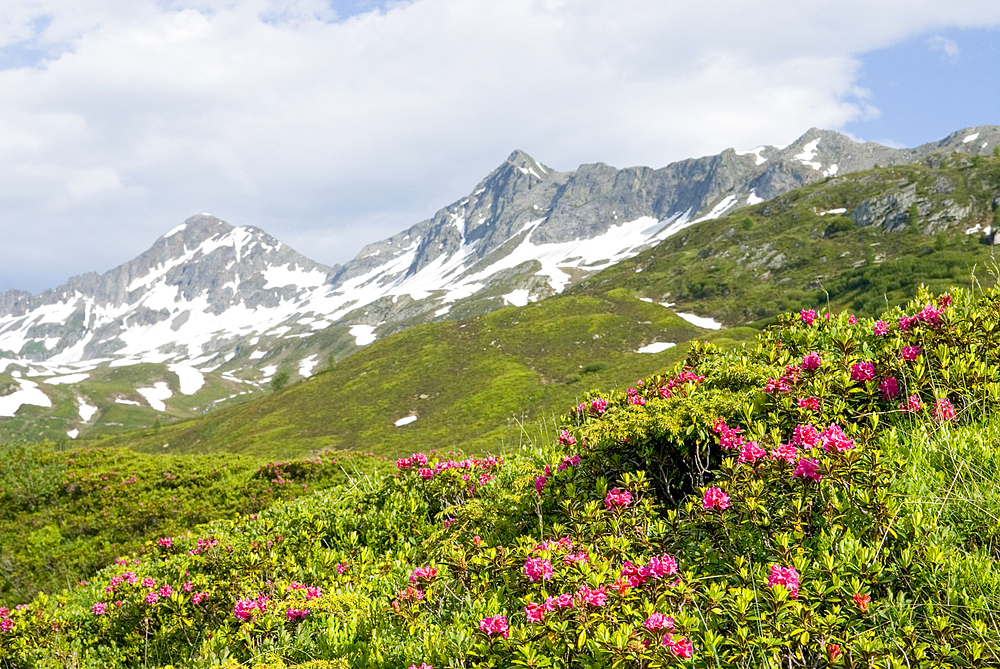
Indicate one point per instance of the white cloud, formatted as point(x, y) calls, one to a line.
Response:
point(947, 47)
point(330, 132)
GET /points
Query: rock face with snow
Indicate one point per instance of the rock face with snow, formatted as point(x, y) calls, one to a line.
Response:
point(208, 294)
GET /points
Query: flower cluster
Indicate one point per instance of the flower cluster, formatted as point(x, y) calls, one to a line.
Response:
point(786, 577)
point(245, 609)
point(495, 626)
point(715, 498)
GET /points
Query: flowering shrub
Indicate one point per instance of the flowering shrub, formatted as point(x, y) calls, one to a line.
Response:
point(714, 523)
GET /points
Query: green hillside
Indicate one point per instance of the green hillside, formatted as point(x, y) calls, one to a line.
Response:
point(824, 496)
point(472, 384)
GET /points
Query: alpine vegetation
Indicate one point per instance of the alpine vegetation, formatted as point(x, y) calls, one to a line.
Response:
point(823, 496)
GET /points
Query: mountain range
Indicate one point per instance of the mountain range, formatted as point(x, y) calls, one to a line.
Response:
point(212, 311)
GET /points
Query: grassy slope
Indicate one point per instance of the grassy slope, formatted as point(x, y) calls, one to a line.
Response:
point(782, 255)
point(470, 383)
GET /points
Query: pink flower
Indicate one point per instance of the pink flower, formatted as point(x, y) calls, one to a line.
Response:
point(943, 410)
point(852, 319)
point(575, 557)
point(99, 608)
point(296, 614)
point(426, 473)
point(565, 439)
point(422, 666)
point(811, 361)
point(148, 583)
point(538, 569)
point(715, 498)
point(834, 439)
point(6, 624)
point(889, 388)
point(245, 608)
point(806, 436)
point(909, 353)
point(165, 542)
point(880, 329)
point(403, 463)
point(342, 568)
point(588, 597)
point(534, 613)
point(912, 405)
point(423, 574)
point(658, 621)
point(787, 577)
point(729, 437)
point(497, 625)
point(680, 647)
point(808, 316)
point(810, 403)
point(420, 459)
point(617, 499)
point(569, 461)
point(313, 592)
point(862, 371)
point(166, 591)
point(807, 468)
point(750, 453)
point(659, 567)
point(786, 452)
point(151, 597)
point(540, 484)
point(599, 406)
point(199, 597)
point(563, 601)
point(187, 587)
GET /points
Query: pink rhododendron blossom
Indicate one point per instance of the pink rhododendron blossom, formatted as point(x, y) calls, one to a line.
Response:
point(834, 439)
point(889, 388)
point(909, 353)
point(786, 452)
point(943, 410)
point(599, 406)
point(636, 574)
point(569, 461)
point(538, 569)
point(806, 436)
point(148, 582)
point(862, 371)
point(729, 437)
point(540, 484)
point(343, 567)
point(811, 361)
point(426, 473)
point(575, 557)
point(852, 319)
point(534, 613)
point(166, 591)
point(589, 597)
point(423, 574)
point(422, 666)
point(658, 621)
point(151, 597)
point(659, 567)
point(680, 646)
point(617, 499)
point(787, 577)
point(750, 453)
point(810, 403)
point(880, 329)
point(808, 316)
point(165, 542)
point(565, 439)
point(313, 592)
point(715, 498)
point(296, 614)
point(199, 597)
point(99, 608)
point(6, 625)
point(563, 601)
point(807, 468)
point(496, 625)
point(188, 586)
point(911, 405)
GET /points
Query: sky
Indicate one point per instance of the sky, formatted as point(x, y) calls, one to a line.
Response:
point(334, 124)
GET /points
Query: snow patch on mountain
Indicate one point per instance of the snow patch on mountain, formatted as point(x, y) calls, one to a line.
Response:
point(27, 394)
point(154, 396)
